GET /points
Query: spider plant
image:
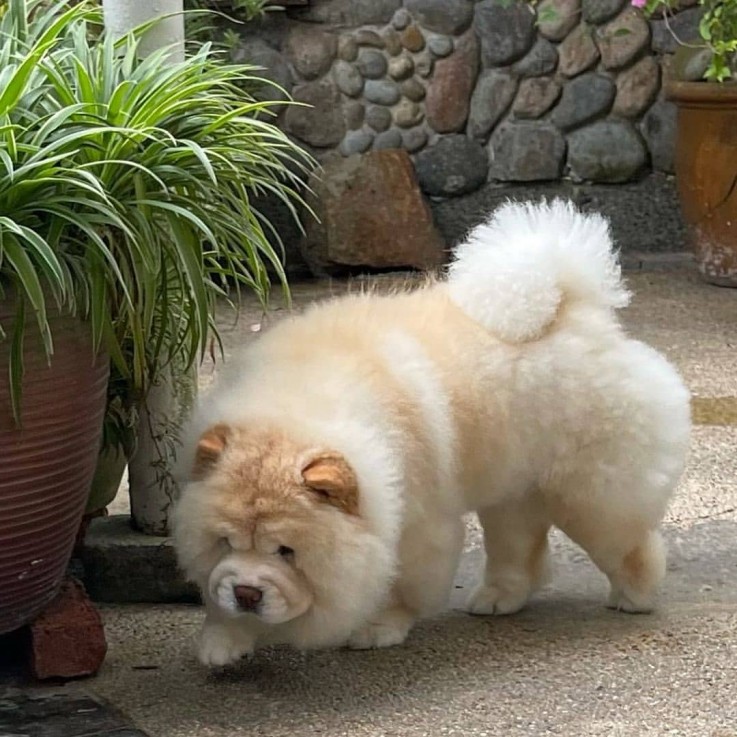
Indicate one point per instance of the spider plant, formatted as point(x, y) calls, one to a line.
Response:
point(127, 192)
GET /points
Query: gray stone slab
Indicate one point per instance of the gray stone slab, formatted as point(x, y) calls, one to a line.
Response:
point(122, 565)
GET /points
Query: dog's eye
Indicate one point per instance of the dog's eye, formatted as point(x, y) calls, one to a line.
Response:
point(285, 552)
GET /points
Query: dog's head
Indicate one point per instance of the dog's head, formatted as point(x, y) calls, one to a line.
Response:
point(271, 528)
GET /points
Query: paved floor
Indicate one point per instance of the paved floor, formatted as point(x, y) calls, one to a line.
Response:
point(564, 666)
point(67, 711)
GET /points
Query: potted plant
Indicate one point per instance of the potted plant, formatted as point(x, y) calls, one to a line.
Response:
point(706, 140)
point(126, 213)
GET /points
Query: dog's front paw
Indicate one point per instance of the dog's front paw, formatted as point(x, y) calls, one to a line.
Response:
point(217, 646)
point(377, 635)
point(497, 600)
point(388, 629)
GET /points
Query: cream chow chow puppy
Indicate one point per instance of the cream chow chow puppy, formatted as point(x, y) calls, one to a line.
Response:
point(332, 464)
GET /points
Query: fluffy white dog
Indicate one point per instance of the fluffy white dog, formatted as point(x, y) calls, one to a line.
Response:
point(332, 464)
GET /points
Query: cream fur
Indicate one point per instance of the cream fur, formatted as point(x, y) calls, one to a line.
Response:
point(509, 389)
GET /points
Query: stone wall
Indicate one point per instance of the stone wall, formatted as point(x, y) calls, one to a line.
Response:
point(477, 90)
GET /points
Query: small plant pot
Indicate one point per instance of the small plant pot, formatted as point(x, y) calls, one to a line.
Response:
point(104, 488)
point(47, 463)
point(706, 174)
point(106, 482)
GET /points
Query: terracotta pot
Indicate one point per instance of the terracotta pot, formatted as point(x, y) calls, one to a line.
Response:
point(48, 463)
point(706, 174)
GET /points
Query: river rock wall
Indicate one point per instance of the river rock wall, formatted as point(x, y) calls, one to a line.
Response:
point(477, 91)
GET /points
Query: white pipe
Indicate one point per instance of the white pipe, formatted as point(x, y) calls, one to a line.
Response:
point(152, 483)
point(152, 487)
point(121, 16)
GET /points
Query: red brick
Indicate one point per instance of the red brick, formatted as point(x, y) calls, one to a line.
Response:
point(68, 638)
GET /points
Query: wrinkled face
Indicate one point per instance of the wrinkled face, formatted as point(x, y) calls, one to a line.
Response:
point(268, 528)
point(257, 575)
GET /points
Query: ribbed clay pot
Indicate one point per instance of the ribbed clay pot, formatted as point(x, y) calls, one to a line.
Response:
point(706, 174)
point(46, 465)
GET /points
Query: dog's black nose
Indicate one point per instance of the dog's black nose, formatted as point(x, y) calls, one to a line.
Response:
point(247, 597)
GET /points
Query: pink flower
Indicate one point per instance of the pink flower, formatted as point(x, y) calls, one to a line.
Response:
point(639, 3)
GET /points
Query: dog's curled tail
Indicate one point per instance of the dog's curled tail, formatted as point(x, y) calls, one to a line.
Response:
point(513, 272)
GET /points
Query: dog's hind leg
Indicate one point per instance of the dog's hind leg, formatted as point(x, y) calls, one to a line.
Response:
point(516, 543)
point(635, 581)
point(618, 528)
point(629, 551)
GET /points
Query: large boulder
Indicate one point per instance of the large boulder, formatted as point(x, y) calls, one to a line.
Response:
point(659, 129)
point(455, 165)
point(557, 18)
point(584, 99)
point(623, 39)
point(578, 52)
point(507, 31)
point(274, 68)
point(542, 59)
point(491, 99)
point(680, 27)
point(610, 151)
point(526, 151)
point(449, 91)
point(321, 122)
point(371, 215)
point(637, 88)
point(535, 97)
point(311, 50)
point(599, 11)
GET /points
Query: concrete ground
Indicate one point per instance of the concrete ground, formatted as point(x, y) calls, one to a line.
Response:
point(563, 666)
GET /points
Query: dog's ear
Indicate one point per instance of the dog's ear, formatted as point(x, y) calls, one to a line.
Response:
point(209, 449)
point(331, 480)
